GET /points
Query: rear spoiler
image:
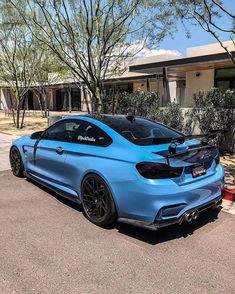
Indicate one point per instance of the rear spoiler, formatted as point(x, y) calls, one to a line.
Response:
point(213, 134)
point(181, 139)
point(194, 155)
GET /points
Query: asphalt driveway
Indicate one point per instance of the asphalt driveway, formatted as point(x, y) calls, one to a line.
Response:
point(47, 246)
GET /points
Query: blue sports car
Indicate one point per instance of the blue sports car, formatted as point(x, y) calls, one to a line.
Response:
point(123, 168)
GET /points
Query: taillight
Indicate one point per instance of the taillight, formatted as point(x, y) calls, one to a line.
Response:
point(153, 170)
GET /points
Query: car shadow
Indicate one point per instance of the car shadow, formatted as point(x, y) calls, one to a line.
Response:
point(151, 237)
point(168, 233)
point(66, 201)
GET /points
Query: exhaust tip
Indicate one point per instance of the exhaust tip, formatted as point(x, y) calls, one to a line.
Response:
point(195, 215)
point(218, 204)
point(188, 217)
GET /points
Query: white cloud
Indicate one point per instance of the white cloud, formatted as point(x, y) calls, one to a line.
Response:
point(153, 52)
point(147, 52)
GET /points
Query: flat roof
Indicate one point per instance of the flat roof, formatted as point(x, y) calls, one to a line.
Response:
point(218, 60)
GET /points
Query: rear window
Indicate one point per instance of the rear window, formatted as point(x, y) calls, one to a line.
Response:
point(141, 131)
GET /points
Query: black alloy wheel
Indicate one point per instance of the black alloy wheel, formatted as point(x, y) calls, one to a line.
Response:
point(97, 201)
point(16, 162)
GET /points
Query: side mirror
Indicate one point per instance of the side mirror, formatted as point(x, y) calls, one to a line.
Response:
point(36, 135)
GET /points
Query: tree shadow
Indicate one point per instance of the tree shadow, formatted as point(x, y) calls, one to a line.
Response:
point(151, 237)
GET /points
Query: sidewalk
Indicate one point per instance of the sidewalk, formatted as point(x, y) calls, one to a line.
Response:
point(229, 198)
point(5, 143)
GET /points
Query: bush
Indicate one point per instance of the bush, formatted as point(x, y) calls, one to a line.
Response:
point(214, 110)
point(147, 105)
point(171, 115)
point(139, 103)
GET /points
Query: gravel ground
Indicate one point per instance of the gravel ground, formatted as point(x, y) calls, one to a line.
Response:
point(228, 162)
point(47, 246)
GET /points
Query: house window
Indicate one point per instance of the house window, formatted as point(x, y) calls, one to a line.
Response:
point(119, 88)
point(126, 88)
point(225, 79)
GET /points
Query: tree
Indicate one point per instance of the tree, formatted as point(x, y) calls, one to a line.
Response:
point(19, 59)
point(207, 14)
point(93, 37)
point(50, 71)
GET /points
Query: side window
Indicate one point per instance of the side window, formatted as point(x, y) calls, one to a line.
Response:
point(78, 131)
point(90, 134)
point(63, 131)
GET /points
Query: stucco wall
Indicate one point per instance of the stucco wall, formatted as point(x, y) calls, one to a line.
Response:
point(195, 81)
point(154, 86)
point(142, 86)
point(5, 100)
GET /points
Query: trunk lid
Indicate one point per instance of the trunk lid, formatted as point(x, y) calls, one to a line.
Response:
point(196, 158)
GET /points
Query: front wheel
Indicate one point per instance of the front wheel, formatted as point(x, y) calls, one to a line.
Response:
point(97, 201)
point(17, 166)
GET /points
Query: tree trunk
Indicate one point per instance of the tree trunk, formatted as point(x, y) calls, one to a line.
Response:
point(18, 115)
point(45, 103)
point(116, 105)
point(44, 95)
point(12, 109)
point(86, 99)
point(98, 96)
point(38, 95)
point(23, 114)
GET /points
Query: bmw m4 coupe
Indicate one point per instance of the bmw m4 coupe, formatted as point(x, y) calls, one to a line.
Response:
point(123, 168)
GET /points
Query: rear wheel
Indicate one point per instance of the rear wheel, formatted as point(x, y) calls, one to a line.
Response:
point(97, 201)
point(17, 166)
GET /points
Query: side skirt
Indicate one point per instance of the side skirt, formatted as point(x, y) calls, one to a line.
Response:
point(51, 187)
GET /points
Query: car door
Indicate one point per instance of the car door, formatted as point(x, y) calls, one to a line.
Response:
point(51, 150)
point(86, 152)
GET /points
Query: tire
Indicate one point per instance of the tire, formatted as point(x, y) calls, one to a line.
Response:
point(97, 201)
point(16, 162)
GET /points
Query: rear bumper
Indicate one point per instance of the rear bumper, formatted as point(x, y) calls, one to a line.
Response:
point(163, 200)
point(160, 224)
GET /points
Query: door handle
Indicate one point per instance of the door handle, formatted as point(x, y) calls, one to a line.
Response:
point(60, 150)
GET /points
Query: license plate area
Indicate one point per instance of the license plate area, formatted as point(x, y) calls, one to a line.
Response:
point(198, 171)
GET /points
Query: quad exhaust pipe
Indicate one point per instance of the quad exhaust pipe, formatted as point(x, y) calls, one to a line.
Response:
point(218, 204)
point(189, 216)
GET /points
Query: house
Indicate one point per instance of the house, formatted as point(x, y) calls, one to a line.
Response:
point(204, 67)
point(175, 78)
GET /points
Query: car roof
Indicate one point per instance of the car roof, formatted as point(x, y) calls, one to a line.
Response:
point(104, 118)
point(100, 117)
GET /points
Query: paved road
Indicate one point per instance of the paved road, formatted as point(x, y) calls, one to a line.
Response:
point(47, 246)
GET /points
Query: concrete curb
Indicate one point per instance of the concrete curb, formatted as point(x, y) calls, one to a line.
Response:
point(229, 200)
point(229, 194)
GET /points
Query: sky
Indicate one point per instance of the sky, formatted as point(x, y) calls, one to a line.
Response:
point(198, 37)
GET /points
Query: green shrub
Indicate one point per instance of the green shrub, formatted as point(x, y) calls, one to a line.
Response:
point(214, 110)
point(146, 104)
point(139, 103)
point(171, 115)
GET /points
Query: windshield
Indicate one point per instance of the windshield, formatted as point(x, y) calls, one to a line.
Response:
point(141, 131)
